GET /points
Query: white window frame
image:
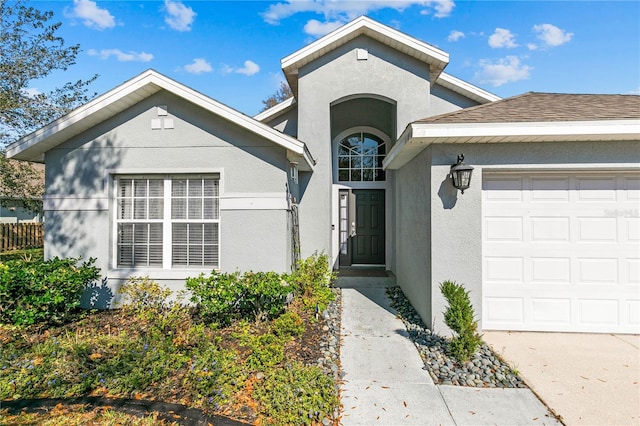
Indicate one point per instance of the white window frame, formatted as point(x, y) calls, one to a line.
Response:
point(167, 221)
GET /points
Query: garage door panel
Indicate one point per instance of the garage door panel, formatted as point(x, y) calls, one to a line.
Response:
point(564, 254)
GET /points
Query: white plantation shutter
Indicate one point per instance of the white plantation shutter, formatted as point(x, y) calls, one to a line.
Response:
point(195, 212)
point(191, 233)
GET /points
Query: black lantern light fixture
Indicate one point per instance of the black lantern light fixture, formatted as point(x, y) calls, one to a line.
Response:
point(461, 174)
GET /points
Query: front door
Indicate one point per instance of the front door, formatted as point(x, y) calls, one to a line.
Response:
point(367, 245)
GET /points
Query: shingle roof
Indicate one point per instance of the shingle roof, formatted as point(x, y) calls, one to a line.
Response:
point(541, 107)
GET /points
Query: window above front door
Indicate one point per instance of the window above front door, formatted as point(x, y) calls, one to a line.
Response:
point(360, 157)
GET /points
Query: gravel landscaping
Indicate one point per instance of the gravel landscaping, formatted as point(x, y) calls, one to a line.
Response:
point(485, 369)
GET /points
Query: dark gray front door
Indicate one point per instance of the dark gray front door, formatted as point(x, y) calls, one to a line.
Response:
point(368, 243)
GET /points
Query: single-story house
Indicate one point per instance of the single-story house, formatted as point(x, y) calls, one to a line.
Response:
point(153, 178)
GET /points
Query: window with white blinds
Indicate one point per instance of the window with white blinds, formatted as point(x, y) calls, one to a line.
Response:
point(168, 222)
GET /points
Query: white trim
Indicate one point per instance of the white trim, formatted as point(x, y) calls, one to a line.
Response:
point(417, 136)
point(466, 89)
point(334, 157)
point(131, 92)
point(253, 203)
point(275, 110)
point(157, 273)
point(561, 168)
point(364, 25)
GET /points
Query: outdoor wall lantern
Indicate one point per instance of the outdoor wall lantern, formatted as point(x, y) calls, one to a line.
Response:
point(461, 174)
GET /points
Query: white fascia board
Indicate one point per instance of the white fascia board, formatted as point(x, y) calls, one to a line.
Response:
point(80, 113)
point(539, 129)
point(466, 89)
point(417, 136)
point(275, 110)
point(150, 78)
point(356, 27)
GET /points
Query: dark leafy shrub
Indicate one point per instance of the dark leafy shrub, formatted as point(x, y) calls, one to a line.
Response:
point(288, 324)
point(225, 297)
point(297, 395)
point(43, 291)
point(459, 317)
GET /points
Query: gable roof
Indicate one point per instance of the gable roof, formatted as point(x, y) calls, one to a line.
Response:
point(33, 146)
point(436, 59)
point(532, 117)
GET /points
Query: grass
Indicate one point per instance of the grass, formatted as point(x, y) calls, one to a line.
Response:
point(37, 253)
point(80, 415)
point(257, 371)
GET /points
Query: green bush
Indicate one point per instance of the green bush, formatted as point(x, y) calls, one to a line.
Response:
point(312, 273)
point(43, 291)
point(297, 395)
point(144, 296)
point(459, 317)
point(288, 324)
point(225, 297)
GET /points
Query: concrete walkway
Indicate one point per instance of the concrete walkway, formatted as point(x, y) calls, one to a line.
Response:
point(384, 382)
point(587, 379)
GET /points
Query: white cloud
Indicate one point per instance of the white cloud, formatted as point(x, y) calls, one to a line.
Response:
point(634, 92)
point(179, 17)
point(31, 92)
point(198, 66)
point(504, 70)
point(551, 35)
point(344, 11)
point(502, 38)
point(250, 68)
point(455, 35)
point(317, 29)
point(532, 46)
point(121, 56)
point(92, 16)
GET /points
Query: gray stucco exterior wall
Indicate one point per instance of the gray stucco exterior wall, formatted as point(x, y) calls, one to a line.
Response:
point(254, 185)
point(453, 236)
point(385, 74)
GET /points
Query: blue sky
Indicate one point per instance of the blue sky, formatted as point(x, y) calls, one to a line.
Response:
point(231, 50)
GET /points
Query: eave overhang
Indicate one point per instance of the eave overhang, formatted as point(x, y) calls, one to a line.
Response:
point(33, 146)
point(418, 136)
point(276, 110)
point(436, 59)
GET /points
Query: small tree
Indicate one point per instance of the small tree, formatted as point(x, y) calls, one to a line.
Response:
point(283, 93)
point(31, 50)
point(459, 317)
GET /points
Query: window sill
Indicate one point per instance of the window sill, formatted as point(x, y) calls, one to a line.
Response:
point(157, 273)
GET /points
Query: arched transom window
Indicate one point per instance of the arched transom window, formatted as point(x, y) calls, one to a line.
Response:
point(360, 158)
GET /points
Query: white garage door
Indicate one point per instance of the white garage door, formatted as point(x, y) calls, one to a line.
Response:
point(561, 251)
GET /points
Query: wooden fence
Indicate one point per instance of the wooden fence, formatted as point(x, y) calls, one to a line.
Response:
point(19, 236)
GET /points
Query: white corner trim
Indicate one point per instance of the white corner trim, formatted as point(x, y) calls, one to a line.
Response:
point(275, 110)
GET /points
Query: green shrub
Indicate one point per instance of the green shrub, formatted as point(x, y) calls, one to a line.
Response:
point(43, 291)
point(297, 395)
point(288, 324)
point(144, 296)
point(459, 317)
point(312, 273)
point(214, 375)
point(225, 297)
point(265, 351)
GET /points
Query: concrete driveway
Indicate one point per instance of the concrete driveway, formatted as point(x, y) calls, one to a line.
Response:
point(585, 379)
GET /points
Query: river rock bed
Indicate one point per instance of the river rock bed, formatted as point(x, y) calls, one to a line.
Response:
point(484, 369)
